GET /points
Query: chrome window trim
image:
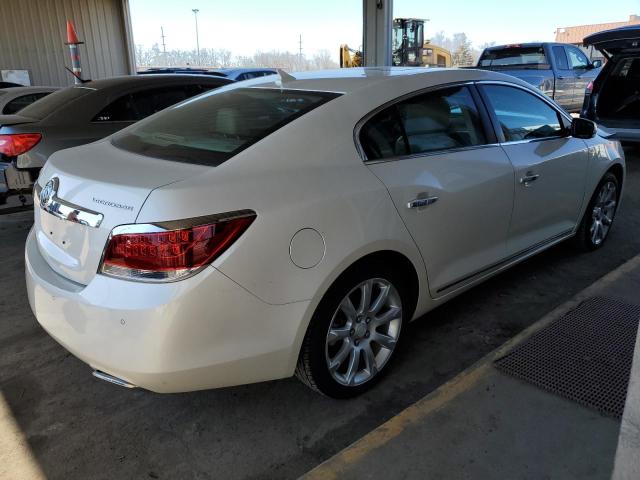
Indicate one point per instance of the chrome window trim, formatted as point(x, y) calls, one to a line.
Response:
point(434, 88)
point(64, 210)
point(539, 95)
point(430, 154)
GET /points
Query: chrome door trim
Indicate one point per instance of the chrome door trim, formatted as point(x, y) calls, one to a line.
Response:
point(505, 263)
point(59, 208)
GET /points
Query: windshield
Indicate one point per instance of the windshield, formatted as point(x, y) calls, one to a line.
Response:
point(524, 57)
point(49, 104)
point(213, 128)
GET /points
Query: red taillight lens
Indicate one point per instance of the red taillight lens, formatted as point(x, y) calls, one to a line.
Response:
point(16, 144)
point(171, 254)
point(589, 88)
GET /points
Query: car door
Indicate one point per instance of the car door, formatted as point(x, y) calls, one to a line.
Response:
point(580, 65)
point(565, 78)
point(550, 166)
point(449, 180)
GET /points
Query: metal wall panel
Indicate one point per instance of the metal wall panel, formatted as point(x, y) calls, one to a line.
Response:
point(33, 32)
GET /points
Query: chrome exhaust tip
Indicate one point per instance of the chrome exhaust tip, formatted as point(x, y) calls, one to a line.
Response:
point(111, 379)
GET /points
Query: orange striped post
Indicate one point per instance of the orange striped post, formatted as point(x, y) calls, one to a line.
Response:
point(73, 42)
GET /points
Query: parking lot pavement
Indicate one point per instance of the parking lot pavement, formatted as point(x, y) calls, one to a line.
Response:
point(490, 425)
point(77, 427)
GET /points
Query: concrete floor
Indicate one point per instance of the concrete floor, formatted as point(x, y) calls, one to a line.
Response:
point(485, 424)
point(78, 427)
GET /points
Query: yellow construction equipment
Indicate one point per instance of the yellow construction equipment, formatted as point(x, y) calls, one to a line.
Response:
point(408, 48)
point(349, 57)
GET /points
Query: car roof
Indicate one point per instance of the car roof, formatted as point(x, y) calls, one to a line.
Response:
point(525, 45)
point(347, 80)
point(244, 70)
point(150, 80)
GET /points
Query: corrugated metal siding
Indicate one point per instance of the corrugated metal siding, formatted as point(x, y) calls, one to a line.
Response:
point(33, 32)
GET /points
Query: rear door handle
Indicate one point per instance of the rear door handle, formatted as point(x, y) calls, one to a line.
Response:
point(529, 178)
point(422, 202)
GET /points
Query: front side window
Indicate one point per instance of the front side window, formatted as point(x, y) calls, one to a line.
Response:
point(216, 126)
point(441, 120)
point(577, 59)
point(522, 115)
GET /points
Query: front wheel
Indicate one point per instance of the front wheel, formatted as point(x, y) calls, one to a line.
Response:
point(354, 333)
point(598, 218)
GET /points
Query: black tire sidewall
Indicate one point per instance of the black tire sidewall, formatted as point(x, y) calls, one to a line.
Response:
point(321, 320)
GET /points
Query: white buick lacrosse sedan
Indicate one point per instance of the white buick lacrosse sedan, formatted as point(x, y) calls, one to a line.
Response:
point(295, 225)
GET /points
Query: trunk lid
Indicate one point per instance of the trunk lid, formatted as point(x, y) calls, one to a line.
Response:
point(618, 40)
point(8, 120)
point(97, 187)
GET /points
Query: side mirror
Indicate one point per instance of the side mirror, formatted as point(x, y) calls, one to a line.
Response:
point(583, 128)
point(596, 64)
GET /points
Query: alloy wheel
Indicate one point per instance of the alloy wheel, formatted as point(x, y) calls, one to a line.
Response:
point(603, 212)
point(363, 332)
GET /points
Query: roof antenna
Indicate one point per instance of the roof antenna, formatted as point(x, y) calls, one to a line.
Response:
point(78, 77)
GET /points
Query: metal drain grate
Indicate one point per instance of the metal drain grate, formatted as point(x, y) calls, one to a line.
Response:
point(585, 356)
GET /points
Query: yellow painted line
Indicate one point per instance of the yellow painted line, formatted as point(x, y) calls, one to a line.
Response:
point(334, 467)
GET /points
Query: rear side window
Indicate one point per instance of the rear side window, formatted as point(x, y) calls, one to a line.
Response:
point(52, 102)
point(528, 57)
point(217, 126)
point(21, 102)
point(522, 115)
point(138, 105)
point(561, 58)
point(442, 120)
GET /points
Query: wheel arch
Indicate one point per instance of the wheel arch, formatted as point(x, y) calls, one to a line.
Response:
point(407, 260)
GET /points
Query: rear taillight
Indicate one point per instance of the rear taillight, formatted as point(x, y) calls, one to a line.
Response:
point(161, 252)
point(589, 88)
point(16, 144)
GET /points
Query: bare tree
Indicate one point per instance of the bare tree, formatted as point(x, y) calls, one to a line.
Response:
point(217, 58)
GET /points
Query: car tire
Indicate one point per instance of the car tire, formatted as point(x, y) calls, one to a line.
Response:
point(358, 338)
point(599, 216)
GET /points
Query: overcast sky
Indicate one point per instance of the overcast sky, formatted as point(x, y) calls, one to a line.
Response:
point(245, 26)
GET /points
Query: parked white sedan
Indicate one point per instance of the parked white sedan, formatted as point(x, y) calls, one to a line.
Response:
point(295, 225)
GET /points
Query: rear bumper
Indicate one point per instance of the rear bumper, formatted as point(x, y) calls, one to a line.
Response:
point(203, 332)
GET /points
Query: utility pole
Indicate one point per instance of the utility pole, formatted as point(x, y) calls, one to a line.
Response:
point(195, 13)
point(164, 45)
point(300, 49)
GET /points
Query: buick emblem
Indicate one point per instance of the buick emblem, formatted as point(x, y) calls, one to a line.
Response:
point(48, 191)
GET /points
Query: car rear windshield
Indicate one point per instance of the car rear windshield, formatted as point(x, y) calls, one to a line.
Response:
point(525, 57)
point(49, 104)
point(215, 127)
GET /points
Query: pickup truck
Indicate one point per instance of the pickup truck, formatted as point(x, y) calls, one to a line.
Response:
point(560, 70)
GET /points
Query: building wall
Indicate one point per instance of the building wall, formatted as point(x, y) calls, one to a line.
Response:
point(33, 32)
